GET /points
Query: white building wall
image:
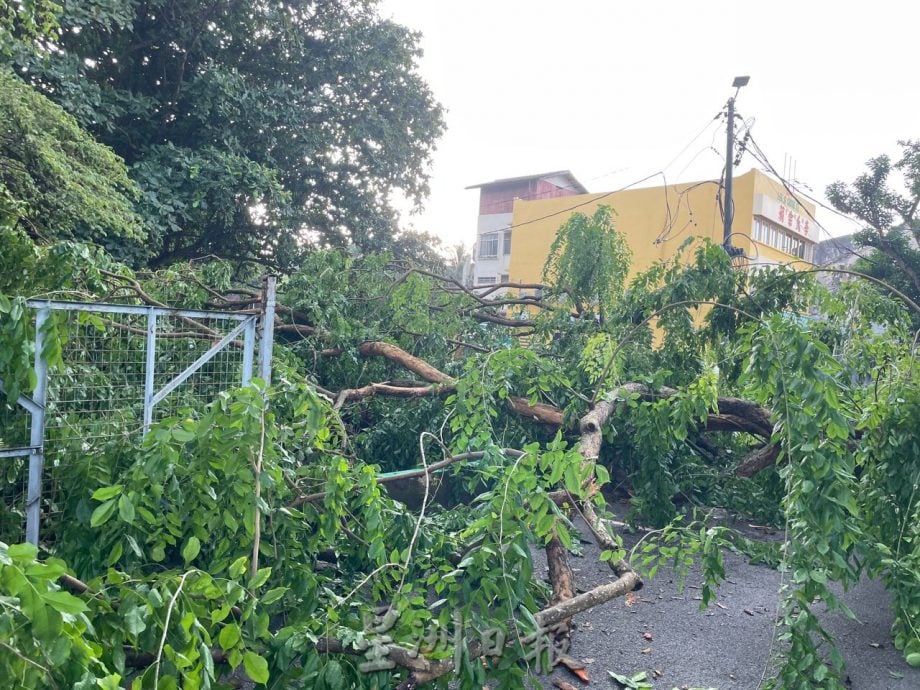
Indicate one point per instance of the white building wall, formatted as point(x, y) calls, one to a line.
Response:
point(491, 256)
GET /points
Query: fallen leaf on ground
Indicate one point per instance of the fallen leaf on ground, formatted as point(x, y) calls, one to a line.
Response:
point(563, 685)
point(631, 598)
point(576, 667)
point(582, 675)
point(647, 636)
point(635, 682)
point(647, 650)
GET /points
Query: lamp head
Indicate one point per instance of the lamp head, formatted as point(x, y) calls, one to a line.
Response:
point(740, 81)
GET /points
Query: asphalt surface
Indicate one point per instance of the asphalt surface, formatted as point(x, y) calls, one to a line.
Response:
point(732, 644)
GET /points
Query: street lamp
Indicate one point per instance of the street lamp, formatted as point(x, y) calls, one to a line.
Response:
point(729, 212)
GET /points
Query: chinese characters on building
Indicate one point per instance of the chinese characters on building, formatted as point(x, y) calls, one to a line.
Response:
point(794, 220)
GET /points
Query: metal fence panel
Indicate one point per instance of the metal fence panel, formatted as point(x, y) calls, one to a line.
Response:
point(124, 368)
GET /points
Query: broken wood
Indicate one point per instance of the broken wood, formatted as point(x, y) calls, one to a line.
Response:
point(588, 600)
point(562, 580)
point(759, 459)
point(407, 361)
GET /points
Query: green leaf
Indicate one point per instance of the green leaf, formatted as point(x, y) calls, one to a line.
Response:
point(256, 667)
point(572, 481)
point(107, 492)
point(182, 435)
point(238, 567)
point(115, 553)
point(109, 682)
point(102, 513)
point(133, 617)
point(229, 636)
point(260, 578)
point(22, 553)
point(64, 602)
point(207, 660)
point(168, 683)
point(913, 659)
point(126, 509)
point(274, 595)
point(191, 549)
point(603, 476)
point(333, 677)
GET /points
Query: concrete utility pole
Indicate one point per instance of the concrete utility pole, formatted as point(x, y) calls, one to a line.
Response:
point(729, 211)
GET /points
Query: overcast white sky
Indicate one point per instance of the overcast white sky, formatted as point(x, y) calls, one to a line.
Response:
point(615, 90)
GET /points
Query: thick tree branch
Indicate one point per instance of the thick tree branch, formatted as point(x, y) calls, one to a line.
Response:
point(562, 580)
point(588, 600)
point(410, 362)
point(757, 460)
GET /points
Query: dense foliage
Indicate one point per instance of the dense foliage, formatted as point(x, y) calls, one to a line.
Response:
point(55, 180)
point(162, 530)
point(888, 208)
point(252, 129)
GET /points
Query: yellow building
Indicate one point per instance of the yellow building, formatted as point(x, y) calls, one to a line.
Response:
point(770, 225)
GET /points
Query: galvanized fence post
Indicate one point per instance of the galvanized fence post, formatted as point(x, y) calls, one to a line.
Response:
point(37, 431)
point(150, 367)
point(249, 346)
point(268, 328)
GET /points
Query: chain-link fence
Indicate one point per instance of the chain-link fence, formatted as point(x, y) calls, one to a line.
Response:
point(122, 368)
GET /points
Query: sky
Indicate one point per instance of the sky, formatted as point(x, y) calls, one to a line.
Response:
point(617, 91)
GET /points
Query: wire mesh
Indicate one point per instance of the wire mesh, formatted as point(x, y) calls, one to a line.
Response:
point(180, 342)
point(96, 398)
point(13, 513)
point(99, 390)
point(14, 425)
point(14, 433)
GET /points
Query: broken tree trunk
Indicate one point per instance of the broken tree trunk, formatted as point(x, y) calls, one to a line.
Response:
point(562, 580)
point(561, 576)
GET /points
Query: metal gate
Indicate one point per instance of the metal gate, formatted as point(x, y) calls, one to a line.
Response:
point(123, 368)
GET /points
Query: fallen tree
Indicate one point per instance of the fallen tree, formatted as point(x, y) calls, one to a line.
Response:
point(498, 416)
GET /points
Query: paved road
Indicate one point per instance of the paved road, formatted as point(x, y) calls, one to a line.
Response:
point(727, 646)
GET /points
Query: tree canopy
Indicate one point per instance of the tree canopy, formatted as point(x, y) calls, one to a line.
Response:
point(55, 180)
point(252, 129)
point(889, 210)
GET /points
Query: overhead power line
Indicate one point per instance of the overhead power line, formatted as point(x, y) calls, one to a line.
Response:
point(605, 195)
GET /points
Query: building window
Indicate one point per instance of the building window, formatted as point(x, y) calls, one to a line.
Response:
point(504, 278)
point(485, 280)
point(506, 244)
point(769, 233)
point(488, 246)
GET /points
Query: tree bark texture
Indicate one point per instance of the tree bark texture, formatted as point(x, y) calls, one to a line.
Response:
point(562, 580)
